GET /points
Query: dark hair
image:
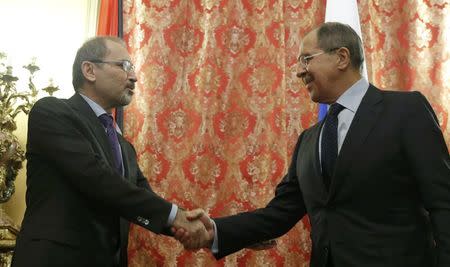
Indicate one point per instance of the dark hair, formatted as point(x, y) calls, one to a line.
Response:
point(333, 35)
point(94, 48)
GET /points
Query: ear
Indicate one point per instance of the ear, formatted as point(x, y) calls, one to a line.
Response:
point(344, 61)
point(88, 71)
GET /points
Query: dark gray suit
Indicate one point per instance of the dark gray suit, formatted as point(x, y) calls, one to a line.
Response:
point(75, 198)
point(389, 199)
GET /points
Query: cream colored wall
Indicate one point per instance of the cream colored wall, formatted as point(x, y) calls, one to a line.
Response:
point(51, 31)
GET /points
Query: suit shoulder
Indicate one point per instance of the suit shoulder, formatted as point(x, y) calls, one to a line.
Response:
point(407, 95)
point(412, 102)
point(48, 107)
point(48, 102)
point(407, 98)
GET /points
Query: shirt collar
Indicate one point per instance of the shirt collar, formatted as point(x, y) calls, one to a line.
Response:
point(353, 96)
point(98, 110)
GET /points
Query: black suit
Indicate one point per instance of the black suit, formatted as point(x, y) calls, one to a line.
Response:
point(75, 198)
point(389, 195)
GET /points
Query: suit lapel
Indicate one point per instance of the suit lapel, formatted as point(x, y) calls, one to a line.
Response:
point(308, 166)
point(365, 118)
point(316, 134)
point(97, 131)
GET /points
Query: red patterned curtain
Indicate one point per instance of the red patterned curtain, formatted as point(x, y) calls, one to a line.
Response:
point(407, 48)
point(218, 107)
point(217, 113)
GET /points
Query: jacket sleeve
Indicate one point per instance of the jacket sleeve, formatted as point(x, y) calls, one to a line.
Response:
point(429, 161)
point(55, 134)
point(277, 218)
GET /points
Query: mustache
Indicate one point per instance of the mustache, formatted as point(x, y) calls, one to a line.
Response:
point(131, 86)
point(306, 78)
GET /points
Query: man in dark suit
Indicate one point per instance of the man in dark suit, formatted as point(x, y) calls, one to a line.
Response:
point(373, 177)
point(83, 180)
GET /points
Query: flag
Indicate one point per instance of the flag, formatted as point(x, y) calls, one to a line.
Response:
point(344, 11)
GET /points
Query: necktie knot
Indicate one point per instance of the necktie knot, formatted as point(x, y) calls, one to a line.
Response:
point(107, 120)
point(335, 109)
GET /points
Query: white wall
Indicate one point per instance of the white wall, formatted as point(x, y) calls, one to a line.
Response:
point(51, 31)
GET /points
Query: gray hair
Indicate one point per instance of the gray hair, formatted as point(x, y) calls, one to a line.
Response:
point(333, 35)
point(94, 48)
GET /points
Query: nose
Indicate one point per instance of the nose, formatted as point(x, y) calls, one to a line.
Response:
point(302, 71)
point(132, 76)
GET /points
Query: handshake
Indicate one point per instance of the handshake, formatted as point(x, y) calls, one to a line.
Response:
point(195, 230)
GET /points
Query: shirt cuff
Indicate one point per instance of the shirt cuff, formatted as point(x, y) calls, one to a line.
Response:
point(215, 244)
point(172, 215)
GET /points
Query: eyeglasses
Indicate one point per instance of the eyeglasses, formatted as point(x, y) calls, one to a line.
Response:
point(304, 60)
point(126, 65)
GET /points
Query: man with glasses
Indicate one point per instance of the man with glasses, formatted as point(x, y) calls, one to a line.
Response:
point(84, 184)
point(373, 176)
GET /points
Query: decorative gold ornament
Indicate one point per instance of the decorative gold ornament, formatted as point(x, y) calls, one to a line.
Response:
point(12, 102)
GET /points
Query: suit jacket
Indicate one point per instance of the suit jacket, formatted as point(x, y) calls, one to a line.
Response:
point(75, 198)
point(389, 199)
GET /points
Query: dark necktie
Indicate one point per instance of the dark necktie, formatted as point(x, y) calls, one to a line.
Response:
point(329, 143)
point(108, 121)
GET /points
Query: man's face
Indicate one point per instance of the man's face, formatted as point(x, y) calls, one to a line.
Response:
point(320, 71)
point(113, 85)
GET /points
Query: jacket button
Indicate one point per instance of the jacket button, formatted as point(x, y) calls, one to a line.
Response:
point(146, 222)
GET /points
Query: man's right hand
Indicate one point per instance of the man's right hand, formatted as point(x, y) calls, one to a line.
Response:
point(194, 229)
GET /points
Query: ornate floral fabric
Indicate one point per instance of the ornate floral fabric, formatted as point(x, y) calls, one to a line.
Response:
point(407, 48)
point(218, 107)
point(217, 113)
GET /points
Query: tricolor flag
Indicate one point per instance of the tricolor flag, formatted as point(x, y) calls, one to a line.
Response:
point(344, 11)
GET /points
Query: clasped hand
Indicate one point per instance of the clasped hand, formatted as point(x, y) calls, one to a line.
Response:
point(194, 229)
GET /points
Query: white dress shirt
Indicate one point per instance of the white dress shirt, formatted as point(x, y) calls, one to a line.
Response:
point(350, 100)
